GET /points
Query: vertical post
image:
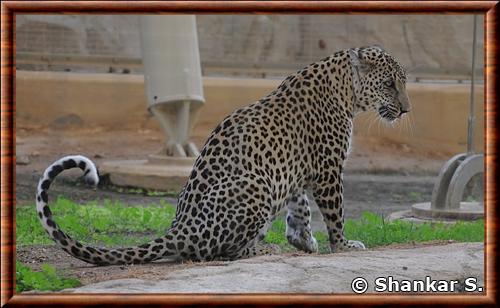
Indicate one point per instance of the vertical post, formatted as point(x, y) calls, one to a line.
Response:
point(172, 74)
point(183, 122)
point(470, 128)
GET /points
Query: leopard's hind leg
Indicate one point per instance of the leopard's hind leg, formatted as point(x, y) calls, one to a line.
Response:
point(248, 208)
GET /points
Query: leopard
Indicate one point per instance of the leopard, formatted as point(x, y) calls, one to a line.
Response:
point(274, 154)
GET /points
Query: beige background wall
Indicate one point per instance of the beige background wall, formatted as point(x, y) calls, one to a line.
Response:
point(112, 101)
point(438, 44)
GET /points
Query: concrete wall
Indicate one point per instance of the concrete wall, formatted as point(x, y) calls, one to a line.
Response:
point(60, 100)
point(437, 44)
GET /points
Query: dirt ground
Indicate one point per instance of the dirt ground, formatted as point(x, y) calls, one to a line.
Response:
point(381, 178)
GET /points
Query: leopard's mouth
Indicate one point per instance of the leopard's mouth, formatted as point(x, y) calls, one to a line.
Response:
point(388, 113)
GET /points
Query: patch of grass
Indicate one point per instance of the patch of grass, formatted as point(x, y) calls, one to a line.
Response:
point(45, 280)
point(109, 223)
point(113, 224)
point(374, 230)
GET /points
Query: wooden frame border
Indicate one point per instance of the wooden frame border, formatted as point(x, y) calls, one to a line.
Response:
point(10, 8)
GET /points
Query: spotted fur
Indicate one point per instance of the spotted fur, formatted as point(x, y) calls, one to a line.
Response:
point(260, 159)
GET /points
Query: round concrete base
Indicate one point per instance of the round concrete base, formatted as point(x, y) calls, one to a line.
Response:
point(422, 212)
point(158, 172)
point(467, 211)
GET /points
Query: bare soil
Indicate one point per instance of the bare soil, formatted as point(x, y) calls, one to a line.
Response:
point(380, 178)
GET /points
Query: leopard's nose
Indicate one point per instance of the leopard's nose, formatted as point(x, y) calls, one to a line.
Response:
point(403, 111)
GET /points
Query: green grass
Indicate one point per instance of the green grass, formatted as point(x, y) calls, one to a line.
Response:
point(45, 280)
point(107, 223)
point(113, 224)
point(374, 231)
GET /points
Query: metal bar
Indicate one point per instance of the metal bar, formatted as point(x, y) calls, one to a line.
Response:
point(470, 128)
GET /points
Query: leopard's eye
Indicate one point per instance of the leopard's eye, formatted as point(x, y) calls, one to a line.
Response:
point(389, 83)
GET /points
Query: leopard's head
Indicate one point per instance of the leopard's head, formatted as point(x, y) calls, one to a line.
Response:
point(379, 83)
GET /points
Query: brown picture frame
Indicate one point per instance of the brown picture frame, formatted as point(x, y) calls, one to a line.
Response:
point(8, 158)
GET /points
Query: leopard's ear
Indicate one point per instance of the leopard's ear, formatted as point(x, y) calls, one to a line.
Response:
point(359, 62)
point(374, 47)
point(365, 58)
point(370, 54)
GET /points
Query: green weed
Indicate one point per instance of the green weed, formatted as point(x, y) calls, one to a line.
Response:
point(374, 230)
point(109, 223)
point(112, 224)
point(45, 280)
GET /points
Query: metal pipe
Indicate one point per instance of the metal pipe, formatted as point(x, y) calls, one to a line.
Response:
point(470, 128)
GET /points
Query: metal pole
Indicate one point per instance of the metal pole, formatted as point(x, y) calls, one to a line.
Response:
point(470, 129)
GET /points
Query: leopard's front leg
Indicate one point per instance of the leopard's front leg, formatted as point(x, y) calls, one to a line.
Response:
point(298, 223)
point(328, 194)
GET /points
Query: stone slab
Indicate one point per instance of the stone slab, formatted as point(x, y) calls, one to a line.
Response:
point(144, 174)
point(332, 273)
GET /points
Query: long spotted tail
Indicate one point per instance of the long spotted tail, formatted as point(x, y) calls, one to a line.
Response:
point(161, 247)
